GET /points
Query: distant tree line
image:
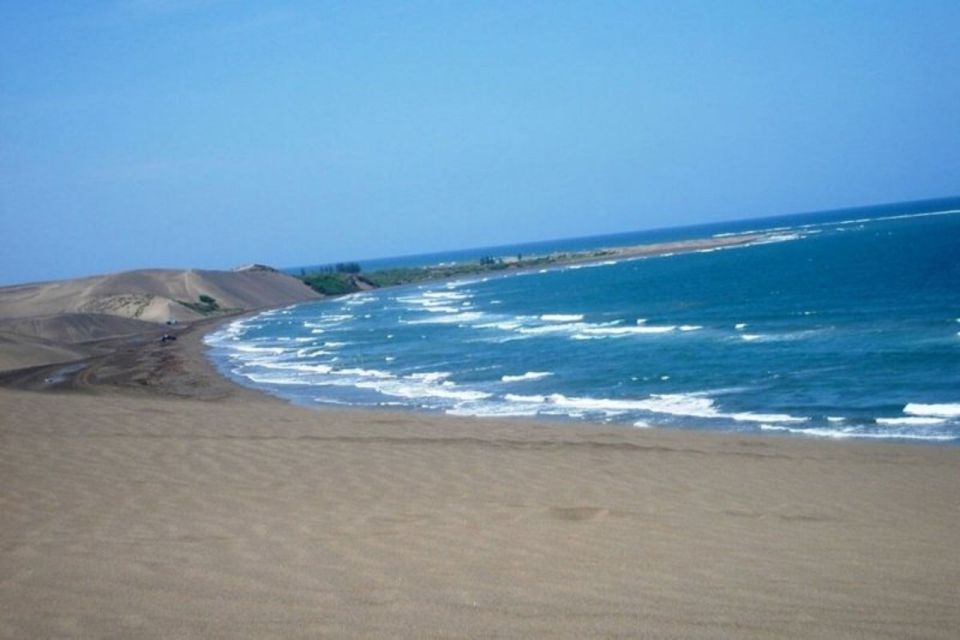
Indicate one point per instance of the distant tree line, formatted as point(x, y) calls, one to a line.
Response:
point(340, 267)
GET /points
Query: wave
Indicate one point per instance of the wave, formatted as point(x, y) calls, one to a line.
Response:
point(944, 410)
point(491, 410)
point(779, 337)
point(854, 432)
point(249, 348)
point(430, 376)
point(698, 405)
point(453, 318)
point(529, 375)
point(358, 299)
point(363, 373)
point(909, 421)
point(562, 317)
point(419, 390)
point(690, 405)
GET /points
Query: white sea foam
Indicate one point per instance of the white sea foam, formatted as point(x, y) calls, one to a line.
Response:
point(854, 432)
point(679, 404)
point(529, 375)
point(621, 331)
point(364, 373)
point(698, 405)
point(293, 366)
point(943, 410)
point(506, 325)
point(740, 326)
point(420, 390)
point(490, 410)
point(536, 399)
point(690, 327)
point(272, 379)
point(430, 377)
point(453, 318)
point(564, 327)
point(446, 295)
point(748, 416)
point(562, 317)
point(249, 348)
point(312, 352)
point(774, 238)
point(594, 404)
point(358, 299)
point(911, 421)
point(780, 337)
point(593, 265)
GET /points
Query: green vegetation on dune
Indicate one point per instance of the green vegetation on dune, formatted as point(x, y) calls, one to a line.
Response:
point(205, 304)
point(331, 284)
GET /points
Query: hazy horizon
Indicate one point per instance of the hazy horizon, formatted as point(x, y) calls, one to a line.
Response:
point(208, 134)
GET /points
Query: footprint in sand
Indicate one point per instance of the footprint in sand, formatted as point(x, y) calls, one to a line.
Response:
point(579, 514)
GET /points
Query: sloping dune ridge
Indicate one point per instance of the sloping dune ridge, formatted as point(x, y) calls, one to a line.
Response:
point(66, 316)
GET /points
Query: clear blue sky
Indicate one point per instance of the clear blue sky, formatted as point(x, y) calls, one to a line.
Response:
point(199, 133)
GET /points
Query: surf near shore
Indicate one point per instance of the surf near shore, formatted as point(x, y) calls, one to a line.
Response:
point(146, 496)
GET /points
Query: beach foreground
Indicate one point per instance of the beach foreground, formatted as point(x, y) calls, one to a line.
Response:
point(148, 497)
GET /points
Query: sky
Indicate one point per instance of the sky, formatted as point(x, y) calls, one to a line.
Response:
point(209, 134)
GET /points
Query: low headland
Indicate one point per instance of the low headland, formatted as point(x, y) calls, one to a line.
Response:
point(144, 495)
point(348, 277)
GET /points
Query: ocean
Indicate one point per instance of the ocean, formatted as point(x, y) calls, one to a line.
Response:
point(843, 324)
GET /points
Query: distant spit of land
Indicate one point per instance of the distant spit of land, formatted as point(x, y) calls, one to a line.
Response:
point(349, 277)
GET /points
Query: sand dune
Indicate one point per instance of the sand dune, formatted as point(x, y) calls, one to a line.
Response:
point(146, 294)
point(18, 351)
point(132, 511)
point(69, 312)
point(75, 327)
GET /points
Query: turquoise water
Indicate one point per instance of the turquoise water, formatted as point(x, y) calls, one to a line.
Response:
point(847, 324)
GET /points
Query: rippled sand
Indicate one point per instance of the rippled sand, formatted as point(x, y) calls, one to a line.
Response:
point(149, 498)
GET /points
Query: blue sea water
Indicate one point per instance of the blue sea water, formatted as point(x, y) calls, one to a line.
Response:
point(843, 324)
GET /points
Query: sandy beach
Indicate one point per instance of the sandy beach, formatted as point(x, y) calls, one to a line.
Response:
point(145, 496)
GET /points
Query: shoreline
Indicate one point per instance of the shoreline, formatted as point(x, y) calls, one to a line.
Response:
point(149, 496)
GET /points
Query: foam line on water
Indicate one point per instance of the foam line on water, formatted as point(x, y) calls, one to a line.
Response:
point(942, 410)
point(529, 375)
point(853, 432)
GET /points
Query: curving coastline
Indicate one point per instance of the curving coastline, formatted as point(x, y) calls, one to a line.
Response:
point(145, 495)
